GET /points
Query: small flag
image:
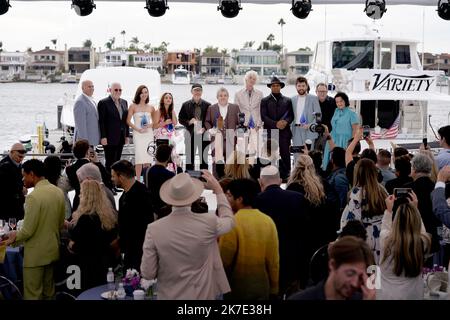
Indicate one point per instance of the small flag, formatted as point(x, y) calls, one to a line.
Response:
point(390, 133)
point(251, 123)
point(284, 117)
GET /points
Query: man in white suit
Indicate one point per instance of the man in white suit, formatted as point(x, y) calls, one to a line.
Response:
point(249, 99)
point(305, 105)
point(86, 115)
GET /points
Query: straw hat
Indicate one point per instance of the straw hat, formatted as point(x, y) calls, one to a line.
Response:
point(181, 190)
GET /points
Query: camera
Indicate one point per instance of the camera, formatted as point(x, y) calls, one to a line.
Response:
point(241, 128)
point(317, 126)
point(241, 119)
point(296, 149)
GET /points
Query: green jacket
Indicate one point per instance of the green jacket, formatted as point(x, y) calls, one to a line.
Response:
point(43, 221)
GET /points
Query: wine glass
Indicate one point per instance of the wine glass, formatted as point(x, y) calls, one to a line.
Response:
point(12, 223)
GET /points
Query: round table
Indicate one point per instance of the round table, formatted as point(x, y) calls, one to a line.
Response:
point(95, 294)
point(13, 265)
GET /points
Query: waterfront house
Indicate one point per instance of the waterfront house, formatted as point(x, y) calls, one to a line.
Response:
point(12, 65)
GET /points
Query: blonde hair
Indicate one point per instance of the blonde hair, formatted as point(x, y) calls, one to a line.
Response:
point(366, 177)
point(237, 166)
point(406, 245)
point(305, 174)
point(93, 200)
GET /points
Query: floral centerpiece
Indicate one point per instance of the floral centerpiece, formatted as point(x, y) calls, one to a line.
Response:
point(131, 281)
point(149, 287)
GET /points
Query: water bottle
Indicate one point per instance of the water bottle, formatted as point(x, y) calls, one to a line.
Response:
point(121, 292)
point(110, 280)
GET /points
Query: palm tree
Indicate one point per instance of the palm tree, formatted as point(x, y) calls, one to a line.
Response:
point(264, 46)
point(110, 43)
point(54, 42)
point(282, 23)
point(270, 38)
point(87, 43)
point(1, 46)
point(135, 42)
point(147, 46)
point(163, 47)
point(123, 35)
point(249, 44)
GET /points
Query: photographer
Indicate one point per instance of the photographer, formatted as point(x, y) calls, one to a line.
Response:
point(345, 122)
point(306, 112)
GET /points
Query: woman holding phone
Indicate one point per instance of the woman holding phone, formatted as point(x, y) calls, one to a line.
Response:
point(404, 244)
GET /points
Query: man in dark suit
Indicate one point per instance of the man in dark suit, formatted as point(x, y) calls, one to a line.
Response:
point(12, 192)
point(80, 151)
point(423, 186)
point(277, 113)
point(135, 212)
point(222, 118)
point(287, 209)
point(114, 130)
point(192, 117)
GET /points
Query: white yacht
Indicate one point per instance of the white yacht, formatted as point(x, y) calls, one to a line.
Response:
point(181, 76)
point(385, 82)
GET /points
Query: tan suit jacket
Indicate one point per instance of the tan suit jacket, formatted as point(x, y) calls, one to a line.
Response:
point(182, 252)
point(250, 105)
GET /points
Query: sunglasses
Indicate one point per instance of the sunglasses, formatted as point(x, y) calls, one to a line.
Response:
point(118, 90)
point(20, 151)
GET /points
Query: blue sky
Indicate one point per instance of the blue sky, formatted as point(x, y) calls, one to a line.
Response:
point(186, 26)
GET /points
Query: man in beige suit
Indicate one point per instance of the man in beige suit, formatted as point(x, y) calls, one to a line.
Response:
point(249, 99)
point(40, 234)
point(181, 249)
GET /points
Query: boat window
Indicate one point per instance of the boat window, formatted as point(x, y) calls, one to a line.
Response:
point(403, 55)
point(386, 113)
point(353, 54)
point(386, 56)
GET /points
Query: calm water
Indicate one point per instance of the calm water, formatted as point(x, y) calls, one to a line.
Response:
point(24, 105)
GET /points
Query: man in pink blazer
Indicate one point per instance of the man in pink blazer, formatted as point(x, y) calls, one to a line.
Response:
point(181, 249)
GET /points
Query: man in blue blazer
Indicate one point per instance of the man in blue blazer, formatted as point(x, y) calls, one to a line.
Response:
point(305, 107)
point(86, 116)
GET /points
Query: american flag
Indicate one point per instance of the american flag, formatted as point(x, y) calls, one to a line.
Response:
point(251, 123)
point(390, 133)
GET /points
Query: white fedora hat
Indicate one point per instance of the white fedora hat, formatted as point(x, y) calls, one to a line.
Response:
point(181, 190)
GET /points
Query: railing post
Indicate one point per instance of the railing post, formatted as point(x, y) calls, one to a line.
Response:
point(59, 113)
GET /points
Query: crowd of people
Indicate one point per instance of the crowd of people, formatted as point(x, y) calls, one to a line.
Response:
point(308, 230)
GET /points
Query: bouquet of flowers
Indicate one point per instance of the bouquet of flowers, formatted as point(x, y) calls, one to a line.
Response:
point(148, 286)
point(131, 281)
